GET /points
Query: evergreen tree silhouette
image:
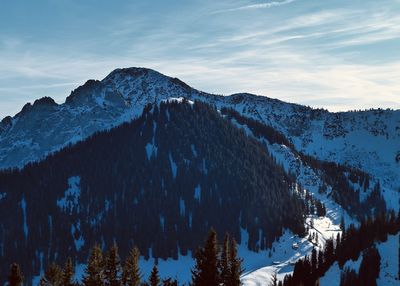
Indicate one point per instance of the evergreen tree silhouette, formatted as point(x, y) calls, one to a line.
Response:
point(235, 265)
point(369, 267)
point(52, 276)
point(131, 273)
point(154, 279)
point(224, 265)
point(112, 268)
point(68, 273)
point(206, 271)
point(15, 278)
point(94, 272)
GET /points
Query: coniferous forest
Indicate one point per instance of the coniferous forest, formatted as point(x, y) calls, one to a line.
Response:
point(158, 183)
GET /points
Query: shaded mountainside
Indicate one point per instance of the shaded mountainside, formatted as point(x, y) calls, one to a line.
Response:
point(349, 138)
point(158, 182)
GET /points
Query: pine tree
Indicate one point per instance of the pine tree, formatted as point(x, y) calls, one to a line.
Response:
point(94, 272)
point(15, 278)
point(235, 265)
point(112, 267)
point(205, 272)
point(68, 273)
point(131, 274)
point(154, 279)
point(52, 276)
point(369, 267)
point(225, 271)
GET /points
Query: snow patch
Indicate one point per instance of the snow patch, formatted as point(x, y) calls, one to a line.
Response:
point(162, 222)
point(193, 150)
point(182, 207)
point(70, 201)
point(174, 167)
point(205, 169)
point(177, 99)
point(25, 225)
point(151, 149)
point(197, 193)
point(79, 241)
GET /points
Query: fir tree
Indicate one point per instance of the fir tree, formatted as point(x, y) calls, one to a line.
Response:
point(94, 273)
point(131, 273)
point(112, 267)
point(52, 276)
point(225, 271)
point(369, 267)
point(235, 265)
point(348, 277)
point(68, 273)
point(205, 272)
point(154, 279)
point(15, 278)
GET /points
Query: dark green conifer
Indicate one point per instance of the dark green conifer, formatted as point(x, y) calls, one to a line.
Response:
point(206, 268)
point(154, 279)
point(112, 268)
point(52, 276)
point(224, 265)
point(68, 273)
point(235, 265)
point(94, 272)
point(15, 278)
point(131, 273)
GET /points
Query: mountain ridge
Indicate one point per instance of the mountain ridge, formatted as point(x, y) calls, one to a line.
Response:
point(351, 138)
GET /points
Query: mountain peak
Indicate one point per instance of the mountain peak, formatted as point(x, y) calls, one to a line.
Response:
point(131, 71)
point(45, 101)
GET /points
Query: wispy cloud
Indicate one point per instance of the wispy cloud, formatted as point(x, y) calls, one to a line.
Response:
point(265, 5)
point(313, 52)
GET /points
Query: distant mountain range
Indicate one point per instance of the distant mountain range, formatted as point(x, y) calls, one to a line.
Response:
point(353, 138)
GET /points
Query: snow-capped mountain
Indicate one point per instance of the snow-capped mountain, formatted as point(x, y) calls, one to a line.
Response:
point(365, 140)
point(369, 140)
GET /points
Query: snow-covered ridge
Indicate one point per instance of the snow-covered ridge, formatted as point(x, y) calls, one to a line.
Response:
point(369, 140)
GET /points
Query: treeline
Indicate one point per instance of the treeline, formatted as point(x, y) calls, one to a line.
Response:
point(158, 182)
point(338, 176)
point(348, 246)
point(216, 265)
point(367, 273)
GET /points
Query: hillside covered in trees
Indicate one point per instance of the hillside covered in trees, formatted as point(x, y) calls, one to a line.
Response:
point(159, 183)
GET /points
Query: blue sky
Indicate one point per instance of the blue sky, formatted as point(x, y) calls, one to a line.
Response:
point(335, 54)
